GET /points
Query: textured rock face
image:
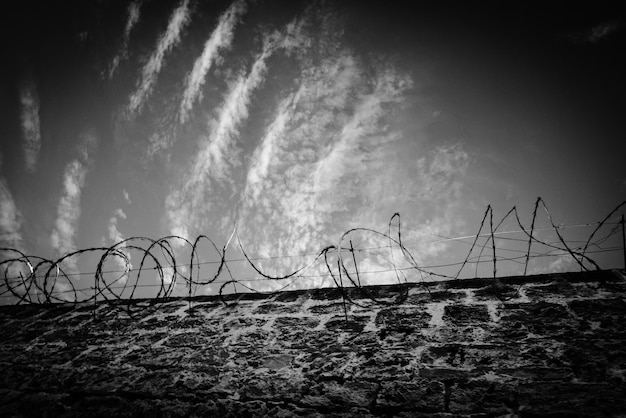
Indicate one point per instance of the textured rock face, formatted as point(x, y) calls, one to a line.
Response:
point(522, 346)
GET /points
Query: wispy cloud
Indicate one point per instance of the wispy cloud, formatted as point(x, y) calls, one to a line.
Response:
point(69, 208)
point(131, 21)
point(29, 101)
point(158, 144)
point(219, 152)
point(177, 22)
point(10, 219)
point(220, 40)
point(115, 236)
point(281, 206)
point(323, 164)
point(438, 183)
point(126, 197)
point(363, 138)
point(557, 264)
point(428, 193)
point(264, 152)
point(294, 36)
point(597, 33)
point(306, 119)
point(10, 236)
point(602, 31)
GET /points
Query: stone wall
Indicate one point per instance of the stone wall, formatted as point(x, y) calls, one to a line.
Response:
point(550, 345)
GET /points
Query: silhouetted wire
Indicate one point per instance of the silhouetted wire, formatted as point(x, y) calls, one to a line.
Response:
point(36, 280)
point(472, 260)
point(535, 255)
point(242, 281)
point(460, 239)
point(480, 228)
point(618, 207)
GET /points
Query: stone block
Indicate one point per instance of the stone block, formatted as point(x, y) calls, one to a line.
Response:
point(401, 320)
point(340, 397)
point(558, 289)
point(276, 309)
point(479, 357)
point(591, 360)
point(352, 324)
point(311, 343)
point(331, 308)
point(518, 321)
point(387, 365)
point(326, 294)
point(186, 339)
point(463, 315)
point(424, 297)
point(284, 323)
point(387, 293)
point(19, 333)
point(477, 396)
point(275, 388)
point(569, 399)
point(420, 395)
point(238, 323)
point(601, 316)
point(497, 291)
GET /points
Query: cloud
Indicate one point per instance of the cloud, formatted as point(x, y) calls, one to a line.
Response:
point(332, 155)
point(158, 142)
point(440, 171)
point(428, 196)
point(29, 101)
point(10, 237)
point(220, 40)
point(189, 203)
point(324, 140)
point(321, 101)
point(436, 196)
point(69, 209)
point(600, 32)
point(294, 36)
point(218, 151)
point(301, 183)
point(10, 219)
point(115, 236)
point(131, 21)
point(264, 153)
point(126, 197)
point(177, 22)
point(558, 264)
point(362, 139)
point(597, 33)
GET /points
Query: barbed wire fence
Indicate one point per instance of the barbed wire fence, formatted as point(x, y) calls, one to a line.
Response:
point(28, 279)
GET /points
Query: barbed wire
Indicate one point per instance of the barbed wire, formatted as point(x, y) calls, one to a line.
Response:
point(29, 279)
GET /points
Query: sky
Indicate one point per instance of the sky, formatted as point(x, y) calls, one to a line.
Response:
point(277, 126)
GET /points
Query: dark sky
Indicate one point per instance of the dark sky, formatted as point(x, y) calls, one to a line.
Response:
point(296, 121)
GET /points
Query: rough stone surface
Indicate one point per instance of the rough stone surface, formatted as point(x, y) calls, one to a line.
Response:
point(549, 345)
